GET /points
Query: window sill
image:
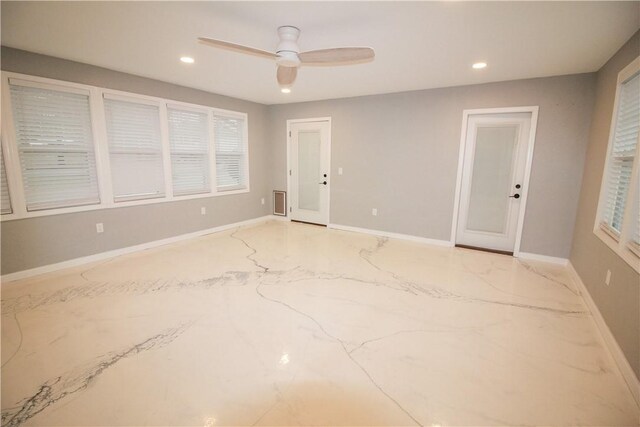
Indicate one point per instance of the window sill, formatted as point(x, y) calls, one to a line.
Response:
point(233, 190)
point(620, 249)
point(115, 205)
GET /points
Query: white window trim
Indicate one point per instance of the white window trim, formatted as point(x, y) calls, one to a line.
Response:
point(101, 148)
point(619, 244)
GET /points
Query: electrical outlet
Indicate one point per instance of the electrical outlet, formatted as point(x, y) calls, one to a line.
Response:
point(203, 211)
point(374, 212)
point(262, 200)
point(339, 171)
point(99, 227)
point(607, 279)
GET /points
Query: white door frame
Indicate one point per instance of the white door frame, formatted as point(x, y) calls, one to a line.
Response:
point(311, 120)
point(527, 172)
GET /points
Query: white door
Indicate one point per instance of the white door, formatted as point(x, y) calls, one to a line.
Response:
point(309, 158)
point(493, 180)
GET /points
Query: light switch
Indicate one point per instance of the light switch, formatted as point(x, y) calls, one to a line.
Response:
point(607, 279)
point(339, 171)
point(203, 211)
point(99, 227)
point(374, 212)
point(262, 200)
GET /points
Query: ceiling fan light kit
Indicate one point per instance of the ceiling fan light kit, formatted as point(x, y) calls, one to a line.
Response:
point(289, 58)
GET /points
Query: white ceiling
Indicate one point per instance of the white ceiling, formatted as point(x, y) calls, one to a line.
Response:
point(418, 45)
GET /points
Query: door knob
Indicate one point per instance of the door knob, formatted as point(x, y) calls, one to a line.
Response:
point(323, 183)
point(515, 196)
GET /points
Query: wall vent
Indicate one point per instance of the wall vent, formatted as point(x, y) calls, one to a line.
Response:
point(280, 203)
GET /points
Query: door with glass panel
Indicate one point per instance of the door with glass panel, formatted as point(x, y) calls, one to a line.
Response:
point(493, 180)
point(309, 171)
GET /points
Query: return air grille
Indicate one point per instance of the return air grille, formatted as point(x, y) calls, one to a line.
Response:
point(280, 203)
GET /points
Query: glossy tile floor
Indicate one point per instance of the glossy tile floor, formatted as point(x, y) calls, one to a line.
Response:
point(291, 324)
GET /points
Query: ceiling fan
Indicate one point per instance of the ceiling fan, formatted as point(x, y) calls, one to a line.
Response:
point(288, 56)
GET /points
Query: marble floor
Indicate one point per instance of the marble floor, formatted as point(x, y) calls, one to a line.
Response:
point(292, 324)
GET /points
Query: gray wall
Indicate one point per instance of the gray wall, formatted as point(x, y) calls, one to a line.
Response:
point(34, 242)
point(619, 302)
point(399, 153)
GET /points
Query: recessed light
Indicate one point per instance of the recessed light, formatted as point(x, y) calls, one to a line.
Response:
point(285, 90)
point(479, 65)
point(187, 60)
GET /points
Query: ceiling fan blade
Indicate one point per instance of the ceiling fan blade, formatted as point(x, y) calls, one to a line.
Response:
point(337, 56)
point(237, 47)
point(287, 75)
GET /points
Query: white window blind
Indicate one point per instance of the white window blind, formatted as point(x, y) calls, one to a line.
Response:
point(135, 150)
point(55, 144)
point(189, 141)
point(5, 201)
point(623, 152)
point(231, 153)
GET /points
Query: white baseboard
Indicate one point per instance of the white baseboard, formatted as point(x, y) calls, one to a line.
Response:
point(610, 341)
point(391, 235)
point(446, 243)
point(129, 249)
point(545, 258)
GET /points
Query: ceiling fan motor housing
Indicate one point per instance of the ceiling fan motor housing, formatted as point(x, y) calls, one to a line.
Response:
point(288, 49)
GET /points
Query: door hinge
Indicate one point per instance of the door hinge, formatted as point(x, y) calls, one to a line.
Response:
point(290, 209)
point(289, 134)
point(289, 172)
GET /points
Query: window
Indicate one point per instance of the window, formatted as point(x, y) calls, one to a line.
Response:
point(623, 153)
point(69, 147)
point(189, 142)
point(231, 153)
point(135, 149)
point(5, 200)
point(55, 146)
point(619, 213)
